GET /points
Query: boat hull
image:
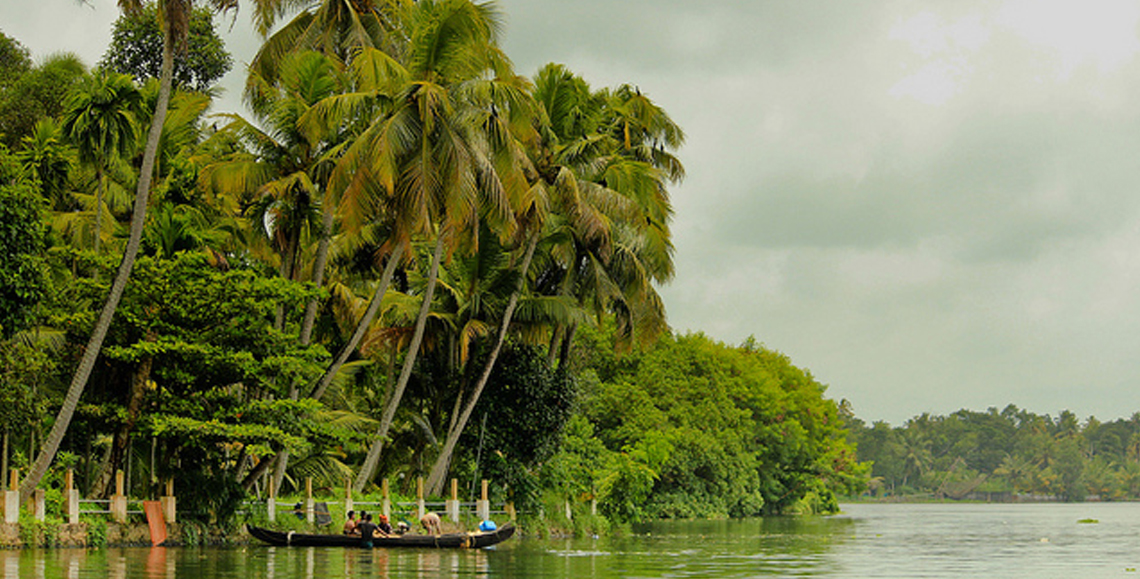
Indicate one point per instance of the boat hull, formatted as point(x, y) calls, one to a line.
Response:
point(445, 541)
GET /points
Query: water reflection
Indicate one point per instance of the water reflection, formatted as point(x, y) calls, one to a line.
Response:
point(160, 564)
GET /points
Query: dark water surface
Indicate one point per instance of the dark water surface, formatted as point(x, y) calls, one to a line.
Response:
point(957, 540)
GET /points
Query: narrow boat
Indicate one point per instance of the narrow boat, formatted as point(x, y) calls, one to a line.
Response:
point(445, 541)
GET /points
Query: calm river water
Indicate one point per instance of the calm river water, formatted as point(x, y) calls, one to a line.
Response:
point(867, 540)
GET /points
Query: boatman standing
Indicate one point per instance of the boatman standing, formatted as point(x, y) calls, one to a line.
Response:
point(367, 531)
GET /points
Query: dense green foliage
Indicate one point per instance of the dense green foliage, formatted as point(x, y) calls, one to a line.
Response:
point(23, 273)
point(37, 93)
point(15, 60)
point(997, 455)
point(519, 424)
point(691, 427)
point(136, 49)
point(199, 345)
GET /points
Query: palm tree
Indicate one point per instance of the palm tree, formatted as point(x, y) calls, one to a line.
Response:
point(46, 154)
point(427, 153)
point(618, 147)
point(586, 163)
point(102, 121)
point(917, 455)
point(283, 171)
point(336, 28)
point(289, 167)
point(174, 18)
point(504, 105)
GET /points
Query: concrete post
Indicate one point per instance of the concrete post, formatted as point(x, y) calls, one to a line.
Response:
point(71, 495)
point(453, 502)
point(309, 514)
point(271, 502)
point(119, 500)
point(386, 501)
point(169, 503)
point(420, 497)
point(569, 511)
point(483, 506)
point(12, 499)
point(348, 505)
point(39, 506)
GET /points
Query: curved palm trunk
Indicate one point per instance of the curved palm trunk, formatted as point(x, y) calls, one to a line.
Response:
point(95, 343)
point(288, 263)
point(439, 469)
point(368, 469)
point(361, 326)
point(281, 463)
point(559, 331)
point(567, 342)
point(319, 264)
point(250, 479)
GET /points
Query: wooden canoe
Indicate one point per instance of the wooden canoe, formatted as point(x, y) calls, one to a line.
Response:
point(445, 541)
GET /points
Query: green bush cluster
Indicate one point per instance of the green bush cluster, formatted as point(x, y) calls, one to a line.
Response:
point(690, 427)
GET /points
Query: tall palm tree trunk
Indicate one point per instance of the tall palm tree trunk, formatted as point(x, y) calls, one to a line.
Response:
point(138, 220)
point(319, 264)
point(281, 463)
point(285, 270)
point(567, 342)
point(560, 330)
point(361, 326)
point(368, 469)
point(439, 469)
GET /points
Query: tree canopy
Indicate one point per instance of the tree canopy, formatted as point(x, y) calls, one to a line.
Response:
point(23, 269)
point(136, 49)
point(15, 60)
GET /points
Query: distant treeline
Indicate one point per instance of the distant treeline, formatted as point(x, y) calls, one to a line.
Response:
point(1012, 452)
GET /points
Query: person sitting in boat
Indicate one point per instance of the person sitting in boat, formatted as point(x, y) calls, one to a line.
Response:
point(430, 521)
point(384, 527)
point(368, 531)
point(350, 524)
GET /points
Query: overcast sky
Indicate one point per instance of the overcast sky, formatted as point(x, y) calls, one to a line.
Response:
point(929, 205)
